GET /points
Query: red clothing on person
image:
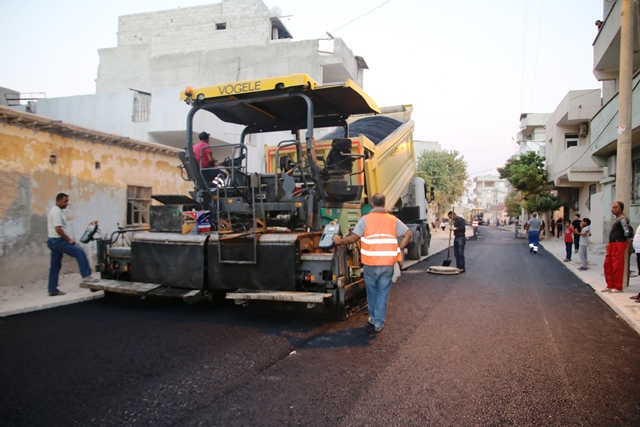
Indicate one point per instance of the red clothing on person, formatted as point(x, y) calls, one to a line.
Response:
point(614, 264)
point(199, 151)
point(568, 234)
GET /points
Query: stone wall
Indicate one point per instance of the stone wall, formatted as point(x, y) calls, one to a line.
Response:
point(40, 158)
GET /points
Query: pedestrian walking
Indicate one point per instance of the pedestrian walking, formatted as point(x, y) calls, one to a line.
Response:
point(559, 227)
point(576, 226)
point(457, 225)
point(585, 232)
point(568, 239)
point(616, 249)
point(532, 228)
point(60, 243)
point(379, 252)
point(516, 223)
point(474, 225)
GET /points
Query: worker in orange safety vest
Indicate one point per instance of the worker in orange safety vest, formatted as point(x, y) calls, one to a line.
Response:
point(378, 232)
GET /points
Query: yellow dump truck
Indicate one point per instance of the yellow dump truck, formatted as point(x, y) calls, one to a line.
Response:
point(383, 150)
point(266, 236)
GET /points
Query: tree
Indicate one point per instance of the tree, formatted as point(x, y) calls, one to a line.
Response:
point(528, 176)
point(513, 203)
point(446, 171)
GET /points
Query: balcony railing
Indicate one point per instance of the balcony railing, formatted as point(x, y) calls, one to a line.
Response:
point(604, 125)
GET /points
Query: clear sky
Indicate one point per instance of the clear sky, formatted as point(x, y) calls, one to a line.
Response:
point(469, 67)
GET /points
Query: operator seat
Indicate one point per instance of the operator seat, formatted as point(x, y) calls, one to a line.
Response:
point(336, 175)
point(338, 162)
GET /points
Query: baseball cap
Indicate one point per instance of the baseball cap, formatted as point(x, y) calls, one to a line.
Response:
point(203, 135)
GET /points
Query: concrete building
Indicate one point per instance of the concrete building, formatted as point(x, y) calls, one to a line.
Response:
point(422, 146)
point(108, 177)
point(531, 134)
point(160, 53)
point(568, 161)
point(603, 129)
point(491, 192)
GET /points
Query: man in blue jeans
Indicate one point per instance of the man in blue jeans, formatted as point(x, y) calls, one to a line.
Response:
point(379, 251)
point(60, 243)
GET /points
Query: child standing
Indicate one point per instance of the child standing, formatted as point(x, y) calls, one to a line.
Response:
point(585, 232)
point(568, 239)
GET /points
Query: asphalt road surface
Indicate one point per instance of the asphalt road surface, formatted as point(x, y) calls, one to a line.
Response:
point(517, 340)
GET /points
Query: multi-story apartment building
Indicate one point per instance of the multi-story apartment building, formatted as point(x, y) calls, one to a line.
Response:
point(603, 131)
point(568, 160)
point(160, 53)
point(531, 134)
point(491, 192)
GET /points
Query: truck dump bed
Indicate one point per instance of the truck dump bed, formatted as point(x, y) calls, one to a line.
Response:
point(392, 166)
point(388, 161)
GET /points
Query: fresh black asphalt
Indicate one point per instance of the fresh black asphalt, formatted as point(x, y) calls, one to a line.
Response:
point(517, 340)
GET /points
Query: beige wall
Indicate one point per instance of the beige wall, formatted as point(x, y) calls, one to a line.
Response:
point(30, 182)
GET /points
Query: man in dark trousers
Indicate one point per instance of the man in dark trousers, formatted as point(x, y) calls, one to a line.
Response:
point(458, 227)
point(379, 251)
point(576, 237)
point(559, 227)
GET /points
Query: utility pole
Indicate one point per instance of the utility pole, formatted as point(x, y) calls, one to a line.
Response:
point(625, 128)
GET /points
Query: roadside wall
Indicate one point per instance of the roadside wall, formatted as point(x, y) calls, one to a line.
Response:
point(40, 157)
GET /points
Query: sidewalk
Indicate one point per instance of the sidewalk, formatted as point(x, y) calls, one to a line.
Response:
point(34, 296)
point(624, 307)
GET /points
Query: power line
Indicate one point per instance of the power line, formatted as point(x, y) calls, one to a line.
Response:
point(355, 19)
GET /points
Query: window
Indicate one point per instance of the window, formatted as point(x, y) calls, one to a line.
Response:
point(221, 26)
point(592, 191)
point(141, 106)
point(635, 183)
point(575, 199)
point(571, 140)
point(138, 204)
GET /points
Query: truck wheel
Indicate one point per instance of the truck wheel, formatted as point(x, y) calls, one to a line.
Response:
point(413, 249)
point(424, 250)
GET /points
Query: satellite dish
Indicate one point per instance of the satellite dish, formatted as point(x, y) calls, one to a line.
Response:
point(275, 10)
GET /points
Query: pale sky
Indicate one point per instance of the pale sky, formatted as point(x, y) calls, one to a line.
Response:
point(469, 67)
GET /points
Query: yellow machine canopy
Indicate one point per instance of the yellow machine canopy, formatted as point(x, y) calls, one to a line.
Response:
point(278, 103)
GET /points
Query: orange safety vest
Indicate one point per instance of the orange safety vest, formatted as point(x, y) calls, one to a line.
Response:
point(379, 245)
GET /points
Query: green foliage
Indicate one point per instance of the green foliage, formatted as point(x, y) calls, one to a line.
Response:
point(447, 172)
point(542, 203)
point(513, 203)
point(528, 175)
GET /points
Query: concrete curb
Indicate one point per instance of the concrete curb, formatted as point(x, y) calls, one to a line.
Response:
point(54, 303)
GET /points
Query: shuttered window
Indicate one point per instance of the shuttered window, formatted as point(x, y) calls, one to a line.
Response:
point(138, 204)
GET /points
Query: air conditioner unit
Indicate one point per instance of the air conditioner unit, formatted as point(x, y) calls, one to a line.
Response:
point(611, 165)
point(584, 129)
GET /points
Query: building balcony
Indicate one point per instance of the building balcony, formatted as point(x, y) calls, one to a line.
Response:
point(574, 165)
point(606, 47)
point(604, 125)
